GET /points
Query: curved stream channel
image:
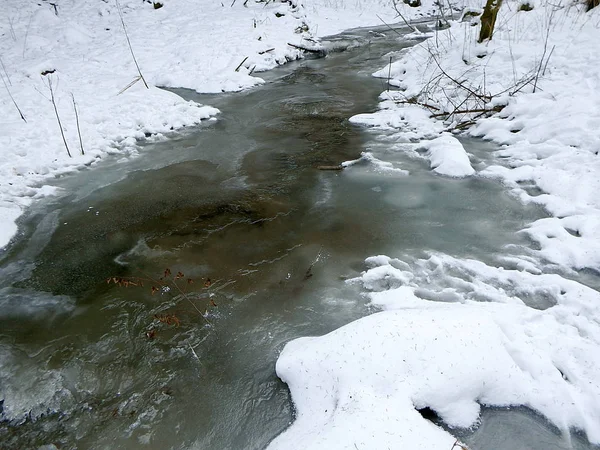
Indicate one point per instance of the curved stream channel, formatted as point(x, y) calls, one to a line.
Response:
point(240, 202)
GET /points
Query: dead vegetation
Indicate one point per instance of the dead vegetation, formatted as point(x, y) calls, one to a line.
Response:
point(177, 288)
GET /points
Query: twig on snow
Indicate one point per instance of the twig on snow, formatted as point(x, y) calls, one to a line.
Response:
point(53, 100)
point(12, 98)
point(394, 3)
point(129, 43)
point(387, 25)
point(240, 64)
point(5, 72)
point(77, 121)
point(306, 49)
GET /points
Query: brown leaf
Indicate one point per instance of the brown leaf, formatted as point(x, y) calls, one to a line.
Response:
point(207, 283)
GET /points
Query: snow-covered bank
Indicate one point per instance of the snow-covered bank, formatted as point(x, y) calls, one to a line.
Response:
point(532, 89)
point(477, 343)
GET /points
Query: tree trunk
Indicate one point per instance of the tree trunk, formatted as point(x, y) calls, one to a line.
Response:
point(592, 4)
point(488, 19)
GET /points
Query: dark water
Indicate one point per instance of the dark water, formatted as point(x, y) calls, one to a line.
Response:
point(239, 207)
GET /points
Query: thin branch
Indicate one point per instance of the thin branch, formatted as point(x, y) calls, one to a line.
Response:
point(135, 80)
point(77, 120)
point(240, 64)
point(304, 49)
point(395, 31)
point(547, 60)
point(26, 34)
point(483, 97)
point(469, 111)
point(415, 102)
point(389, 74)
point(129, 43)
point(53, 100)
point(395, 4)
point(12, 98)
point(5, 72)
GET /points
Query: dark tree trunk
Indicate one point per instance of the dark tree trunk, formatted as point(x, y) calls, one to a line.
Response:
point(488, 19)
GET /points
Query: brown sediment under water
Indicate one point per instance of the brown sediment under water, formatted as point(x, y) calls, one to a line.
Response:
point(239, 207)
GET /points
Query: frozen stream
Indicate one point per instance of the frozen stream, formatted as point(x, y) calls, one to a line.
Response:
point(239, 201)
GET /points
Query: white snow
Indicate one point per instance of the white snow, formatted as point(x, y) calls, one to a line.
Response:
point(377, 164)
point(448, 156)
point(477, 344)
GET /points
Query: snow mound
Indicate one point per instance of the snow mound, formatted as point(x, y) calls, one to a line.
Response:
point(360, 386)
point(377, 164)
point(448, 156)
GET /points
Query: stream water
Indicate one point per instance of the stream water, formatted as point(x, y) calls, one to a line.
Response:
point(239, 207)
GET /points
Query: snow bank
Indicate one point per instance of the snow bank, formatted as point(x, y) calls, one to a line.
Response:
point(360, 386)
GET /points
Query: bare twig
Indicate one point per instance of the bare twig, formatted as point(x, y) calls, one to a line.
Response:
point(77, 120)
point(5, 72)
point(135, 80)
point(53, 100)
point(240, 64)
point(415, 102)
point(469, 111)
point(395, 4)
point(306, 49)
point(547, 60)
point(387, 25)
point(482, 97)
point(129, 43)
point(26, 34)
point(12, 29)
point(12, 98)
point(389, 74)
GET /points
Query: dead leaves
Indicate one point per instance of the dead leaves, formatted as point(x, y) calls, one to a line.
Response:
point(168, 319)
point(174, 287)
point(124, 282)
